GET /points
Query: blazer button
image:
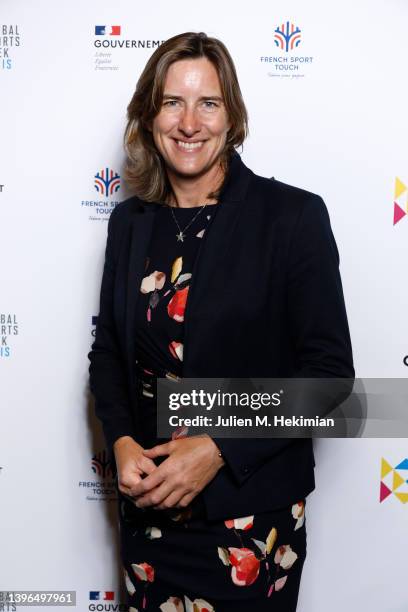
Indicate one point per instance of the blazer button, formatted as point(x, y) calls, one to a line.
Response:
point(246, 470)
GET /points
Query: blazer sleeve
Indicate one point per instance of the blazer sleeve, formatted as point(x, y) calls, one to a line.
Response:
point(319, 329)
point(107, 373)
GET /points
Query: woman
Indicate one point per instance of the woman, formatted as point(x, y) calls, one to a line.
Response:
point(210, 271)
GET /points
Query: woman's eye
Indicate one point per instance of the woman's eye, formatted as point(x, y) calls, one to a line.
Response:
point(207, 103)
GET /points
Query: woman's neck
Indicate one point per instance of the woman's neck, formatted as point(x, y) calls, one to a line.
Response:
point(194, 192)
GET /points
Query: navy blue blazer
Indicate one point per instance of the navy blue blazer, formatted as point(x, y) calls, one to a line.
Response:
point(266, 300)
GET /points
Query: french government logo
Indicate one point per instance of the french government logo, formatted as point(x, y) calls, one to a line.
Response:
point(105, 601)
point(110, 44)
point(107, 30)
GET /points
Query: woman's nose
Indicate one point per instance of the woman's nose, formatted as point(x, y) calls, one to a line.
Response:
point(189, 122)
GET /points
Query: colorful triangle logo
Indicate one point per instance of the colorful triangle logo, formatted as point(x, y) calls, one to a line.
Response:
point(397, 480)
point(385, 468)
point(403, 497)
point(398, 213)
point(400, 187)
point(391, 480)
point(384, 491)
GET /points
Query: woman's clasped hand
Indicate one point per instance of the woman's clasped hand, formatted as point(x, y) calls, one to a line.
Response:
point(191, 463)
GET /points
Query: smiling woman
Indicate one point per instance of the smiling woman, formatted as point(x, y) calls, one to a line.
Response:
point(187, 100)
point(191, 129)
point(211, 271)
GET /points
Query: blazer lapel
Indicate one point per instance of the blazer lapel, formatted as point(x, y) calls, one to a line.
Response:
point(142, 226)
point(216, 243)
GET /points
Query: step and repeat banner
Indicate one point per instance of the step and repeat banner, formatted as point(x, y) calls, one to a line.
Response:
point(325, 88)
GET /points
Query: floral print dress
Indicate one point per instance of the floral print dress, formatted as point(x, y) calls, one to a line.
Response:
point(176, 560)
point(162, 301)
point(166, 284)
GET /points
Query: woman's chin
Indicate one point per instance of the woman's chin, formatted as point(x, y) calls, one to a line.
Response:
point(189, 169)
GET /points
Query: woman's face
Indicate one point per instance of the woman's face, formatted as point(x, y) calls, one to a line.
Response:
point(191, 128)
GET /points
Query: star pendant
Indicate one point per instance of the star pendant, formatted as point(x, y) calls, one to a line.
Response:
point(180, 237)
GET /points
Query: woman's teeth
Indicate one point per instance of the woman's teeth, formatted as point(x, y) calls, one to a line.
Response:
point(189, 146)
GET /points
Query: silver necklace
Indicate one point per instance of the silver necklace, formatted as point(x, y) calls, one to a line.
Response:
point(181, 235)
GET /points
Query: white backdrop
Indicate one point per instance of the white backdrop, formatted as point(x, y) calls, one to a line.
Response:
point(337, 126)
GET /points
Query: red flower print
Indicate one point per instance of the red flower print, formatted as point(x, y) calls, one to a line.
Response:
point(176, 349)
point(246, 566)
point(176, 268)
point(298, 512)
point(243, 522)
point(173, 604)
point(155, 280)
point(129, 585)
point(280, 583)
point(143, 571)
point(198, 605)
point(285, 556)
point(177, 305)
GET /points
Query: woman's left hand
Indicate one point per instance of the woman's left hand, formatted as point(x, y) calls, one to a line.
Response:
point(191, 464)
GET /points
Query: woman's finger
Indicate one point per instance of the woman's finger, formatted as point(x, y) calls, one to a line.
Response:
point(172, 500)
point(156, 496)
point(186, 500)
point(159, 449)
point(147, 465)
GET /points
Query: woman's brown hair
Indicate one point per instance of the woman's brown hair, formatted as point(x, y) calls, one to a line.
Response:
point(145, 170)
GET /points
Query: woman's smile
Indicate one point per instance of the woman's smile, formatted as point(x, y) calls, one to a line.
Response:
point(189, 147)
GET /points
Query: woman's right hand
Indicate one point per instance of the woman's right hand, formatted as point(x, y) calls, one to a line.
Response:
point(131, 463)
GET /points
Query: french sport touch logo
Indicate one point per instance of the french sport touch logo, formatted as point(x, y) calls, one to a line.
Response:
point(400, 200)
point(102, 486)
point(110, 30)
point(394, 480)
point(287, 40)
point(101, 465)
point(107, 182)
point(287, 36)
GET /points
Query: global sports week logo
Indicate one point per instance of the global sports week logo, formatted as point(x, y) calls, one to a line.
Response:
point(10, 39)
point(8, 329)
point(287, 39)
point(109, 44)
point(107, 183)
